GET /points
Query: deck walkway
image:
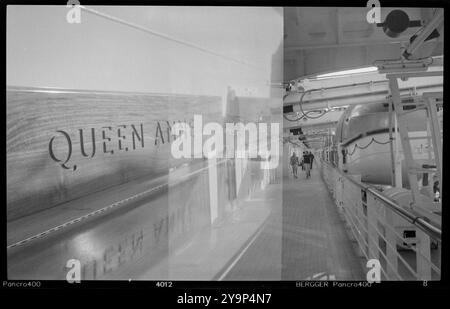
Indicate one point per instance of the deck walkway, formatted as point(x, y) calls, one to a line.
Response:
point(314, 240)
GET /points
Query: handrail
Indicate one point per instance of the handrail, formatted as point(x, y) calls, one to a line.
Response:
point(419, 222)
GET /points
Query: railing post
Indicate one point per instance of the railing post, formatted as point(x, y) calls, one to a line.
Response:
point(337, 180)
point(333, 180)
point(338, 187)
point(424, 247)
point(391, 251)
point(213, 189)
point(370, 213)
point(356, 208)
point(372, 222)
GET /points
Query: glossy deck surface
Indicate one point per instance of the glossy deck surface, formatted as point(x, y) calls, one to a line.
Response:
point(261, 239)
point(308, 233)
point(164, 235)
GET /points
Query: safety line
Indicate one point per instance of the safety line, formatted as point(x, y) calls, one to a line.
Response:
point(167, 37)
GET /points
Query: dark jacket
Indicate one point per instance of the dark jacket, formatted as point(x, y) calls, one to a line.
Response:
point(307, 159)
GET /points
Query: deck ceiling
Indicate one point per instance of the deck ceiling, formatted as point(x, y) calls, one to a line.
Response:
point(320, 40)
point(323, 39)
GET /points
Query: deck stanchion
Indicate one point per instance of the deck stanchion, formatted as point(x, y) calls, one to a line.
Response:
point(372, 223)
point(423, 255)
point(391, 251)
point(213, 189)
point(336, 191)
point(357, 207)
point(339, 187)
point(373, 218)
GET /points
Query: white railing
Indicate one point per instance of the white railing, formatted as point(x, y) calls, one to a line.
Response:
point(407, 246)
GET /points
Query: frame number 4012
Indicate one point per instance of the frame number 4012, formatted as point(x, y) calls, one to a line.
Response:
point(164, 284)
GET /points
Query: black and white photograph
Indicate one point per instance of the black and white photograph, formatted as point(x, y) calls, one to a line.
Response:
point(261, 146)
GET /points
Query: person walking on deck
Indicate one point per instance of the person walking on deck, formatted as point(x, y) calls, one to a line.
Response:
point(302, 163)
point(294, 164)
point(307, 164)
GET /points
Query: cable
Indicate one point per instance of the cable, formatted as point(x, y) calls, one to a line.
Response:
point(292, 120)
point(373, 140)
point(291, 142)
point(165, 36)
point(305, 114)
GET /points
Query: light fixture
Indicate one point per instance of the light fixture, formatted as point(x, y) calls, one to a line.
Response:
point(393, 66)
point(348, 72)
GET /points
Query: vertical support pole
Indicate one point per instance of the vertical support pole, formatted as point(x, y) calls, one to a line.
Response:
point(439, 256)
point(422, 260)
point(437, 144)
point(213, 192)
point(391, 249)
point(429, 137)
point(391, 144)
point(372, 222)
point(406, 145)
point(238, 173)
point(355, 206)
point(398, 159)
point(337, 188)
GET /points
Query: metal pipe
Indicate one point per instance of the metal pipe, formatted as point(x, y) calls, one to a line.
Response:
point(414, 74)
point(427, 30)
point(363, 43)
point(294, 98)
point(378, 97)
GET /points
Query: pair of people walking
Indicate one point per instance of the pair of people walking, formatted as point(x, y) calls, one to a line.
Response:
point(306, 163)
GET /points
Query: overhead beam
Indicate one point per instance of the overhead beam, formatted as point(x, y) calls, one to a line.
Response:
point(352, 44)
point(434, 23)
point(314, 126)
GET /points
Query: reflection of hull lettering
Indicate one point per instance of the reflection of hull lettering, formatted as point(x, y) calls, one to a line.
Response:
point(176, 223)
point(114, 257)
point(128, 249)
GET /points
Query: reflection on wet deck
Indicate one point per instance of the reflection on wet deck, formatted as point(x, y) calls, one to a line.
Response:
point(166, 235)
point(288, 231)
point(304, 239)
